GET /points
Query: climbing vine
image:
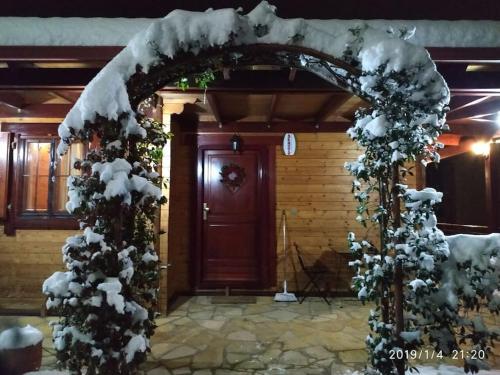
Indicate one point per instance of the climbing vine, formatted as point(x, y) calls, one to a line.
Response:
point(106, 298)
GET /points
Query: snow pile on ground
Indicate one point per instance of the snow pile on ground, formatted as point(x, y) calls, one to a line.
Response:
point(16, 338)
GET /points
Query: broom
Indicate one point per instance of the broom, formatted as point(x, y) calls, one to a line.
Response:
point(285, 296)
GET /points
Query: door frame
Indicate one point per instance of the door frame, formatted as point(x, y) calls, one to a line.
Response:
point(267, 144)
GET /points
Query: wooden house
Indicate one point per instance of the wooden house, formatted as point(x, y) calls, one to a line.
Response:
point(222, 224)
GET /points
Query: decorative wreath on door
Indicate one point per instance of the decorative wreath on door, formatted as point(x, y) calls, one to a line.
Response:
point(233, 176)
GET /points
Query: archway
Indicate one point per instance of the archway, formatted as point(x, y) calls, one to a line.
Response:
point(119, 191)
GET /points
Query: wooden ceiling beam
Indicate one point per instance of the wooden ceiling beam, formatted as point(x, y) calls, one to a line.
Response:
point(482, 107)
point(64, 96)
point(214, 107)
point(276, 127)
point(331, 105)
point(37, 111)
point(458, 102)
point(472, 128)
point(12, 99)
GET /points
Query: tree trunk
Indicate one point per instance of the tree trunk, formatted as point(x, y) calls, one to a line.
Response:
point(398, 271)
point(384, 299)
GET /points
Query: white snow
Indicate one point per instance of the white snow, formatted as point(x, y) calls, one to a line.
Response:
point(57, 284)
point(410, 337)
point(149, 257)
point(77, 31)
point(16, 337)
point(136, 344)
point(377, 127)
point(112, 286)
point(91, 236)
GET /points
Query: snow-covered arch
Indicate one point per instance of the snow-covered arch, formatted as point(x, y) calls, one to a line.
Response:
point(118, 192)
point(185, 42)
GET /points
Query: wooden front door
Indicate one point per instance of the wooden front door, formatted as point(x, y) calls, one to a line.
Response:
point(234, 248)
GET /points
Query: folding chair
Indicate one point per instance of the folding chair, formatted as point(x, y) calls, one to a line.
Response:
point(317, 273)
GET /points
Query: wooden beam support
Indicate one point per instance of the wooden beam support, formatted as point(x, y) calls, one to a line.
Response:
point(65, 96)
point(59, 53)
point(331, 105)
point(276, 127)
point(214, 107)
point(272, 109)
point(481, 108)
point(37, 111)
point(473, 128)
point(458, 102)
point(13, 100)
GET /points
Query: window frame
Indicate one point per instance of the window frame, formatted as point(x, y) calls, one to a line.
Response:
point(16, 217)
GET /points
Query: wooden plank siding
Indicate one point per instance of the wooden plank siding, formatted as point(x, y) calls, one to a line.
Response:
point(26, 260)
point(315, 191)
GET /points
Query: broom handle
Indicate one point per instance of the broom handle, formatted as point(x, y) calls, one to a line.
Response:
point(283, 218)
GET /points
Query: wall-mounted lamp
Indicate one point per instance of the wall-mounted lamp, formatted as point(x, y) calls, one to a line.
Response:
point(235, 143)
point(481, 148)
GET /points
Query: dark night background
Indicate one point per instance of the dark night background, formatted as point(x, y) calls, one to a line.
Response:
point(346, 9)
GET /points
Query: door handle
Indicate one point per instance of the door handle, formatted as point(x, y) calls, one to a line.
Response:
point(205, 211)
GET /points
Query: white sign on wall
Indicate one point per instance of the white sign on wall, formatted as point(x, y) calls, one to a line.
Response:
point(289, 144)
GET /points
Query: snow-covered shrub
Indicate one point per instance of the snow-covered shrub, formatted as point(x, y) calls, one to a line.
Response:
point(108, 294)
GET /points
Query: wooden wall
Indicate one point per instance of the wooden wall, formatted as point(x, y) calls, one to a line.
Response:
point(314, 189)
point(26, 260)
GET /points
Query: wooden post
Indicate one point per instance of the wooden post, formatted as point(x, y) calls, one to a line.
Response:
point(398, 271)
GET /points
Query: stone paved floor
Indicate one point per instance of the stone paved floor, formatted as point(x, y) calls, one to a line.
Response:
point(263, 338)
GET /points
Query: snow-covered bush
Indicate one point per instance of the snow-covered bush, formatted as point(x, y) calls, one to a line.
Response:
point(108, 294)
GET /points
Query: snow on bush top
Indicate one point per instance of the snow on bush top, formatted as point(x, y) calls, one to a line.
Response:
point(16, 338)
point(182, 31)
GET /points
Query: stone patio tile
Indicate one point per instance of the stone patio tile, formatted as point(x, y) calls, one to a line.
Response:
point(242, 336)
point(212, 324)
point(179, 352)
point(160, 349)
point(252, 364)
point(293, 358)
point(281, 315)
point(159, 371)
point(318, 352)
point(234, 358)
point(246, 347)
point(356, 356)
point(182, 371)
point(211, 357)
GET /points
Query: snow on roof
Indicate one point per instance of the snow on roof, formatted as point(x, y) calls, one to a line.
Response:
point(33, 31)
